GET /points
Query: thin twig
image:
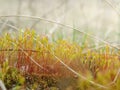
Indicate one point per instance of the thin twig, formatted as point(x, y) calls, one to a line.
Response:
point(116, 77)
point(3, 25)
point(18, 50)
point(118, 12)
point(2, 86)
point(30, 58)
point(73, 71)
point(71, 68)
point(52, 30)
point(113, 7)
point(67, 26)
point(84, 78)
point(10, 25)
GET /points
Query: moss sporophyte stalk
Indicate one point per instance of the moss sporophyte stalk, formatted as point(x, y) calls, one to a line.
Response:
point(28, 60)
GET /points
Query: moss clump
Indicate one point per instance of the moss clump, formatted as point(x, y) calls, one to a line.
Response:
point(13, 78)
point(40, 82)
point(42, 59)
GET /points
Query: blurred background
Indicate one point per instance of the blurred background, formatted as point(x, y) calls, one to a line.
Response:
point(99, 18)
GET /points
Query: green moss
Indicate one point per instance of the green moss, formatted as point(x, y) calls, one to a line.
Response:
point(27, 48)
point(13, 78)
point(40, 82)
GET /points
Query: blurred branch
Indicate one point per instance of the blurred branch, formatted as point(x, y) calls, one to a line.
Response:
point(67, 26)
point(92, 82)
point(55, 27)
point(10, 25)
point(3, 26)
point(2, 86)
point(47, 13)
point(72, 70)
point(18, 50)
point(114, 8)
point(116, 77)
point(34, 61)
point(59, 20)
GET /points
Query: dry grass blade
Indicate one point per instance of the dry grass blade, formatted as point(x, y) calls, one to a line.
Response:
point(52, 30)
point(118, 12)
point(116, 77)
point(18, 50)
point(30, 58)
point(2, 86)
point(67, 26)
point(110, 4)
point(3, 25)
point(10, 25)
point(75, 71)
point(13, 50)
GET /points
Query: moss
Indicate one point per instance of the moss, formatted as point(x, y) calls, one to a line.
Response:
point(13, 78)
point(40, 82)
point(35, 55)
